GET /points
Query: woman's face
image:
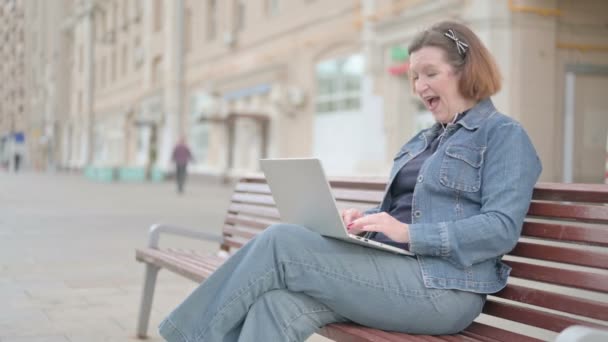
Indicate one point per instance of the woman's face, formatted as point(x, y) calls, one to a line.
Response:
point(436, 83)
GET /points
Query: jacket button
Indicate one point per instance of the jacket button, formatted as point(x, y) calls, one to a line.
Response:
point(417, 213)
point(420, 178)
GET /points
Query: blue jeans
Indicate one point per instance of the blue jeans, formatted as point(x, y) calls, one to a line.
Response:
point(288, 282)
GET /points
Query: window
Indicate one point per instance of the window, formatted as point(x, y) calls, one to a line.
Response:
point(201, 104)
point(103, 73)
point(100, 26)
point(211, 19)
point(272, 7)
point(113, 65)
point(137, 10)
point(138, 54)
point(80, 58)
point(115, 22)
point(339, 84)
point(158, 15)
point(98, 73)
point(156, 70)
point(125, 60)
point(125, 14)
point(107, 26)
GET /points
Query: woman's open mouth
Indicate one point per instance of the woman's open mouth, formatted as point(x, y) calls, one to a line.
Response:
point(431, 102)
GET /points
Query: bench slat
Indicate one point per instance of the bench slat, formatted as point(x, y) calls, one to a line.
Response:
point(548, 274)
point(210, 258)
point(571, 192)
point(340, 332)
point(366, 196)
point(187, 260)
point(371, 198)
point(242, 232)
point(567, 255)
point(208, 262)
point(235, 241)
point(350, 333)
point(363, 194)
point(476, 337)
point(480, 329)
point(253, 199)
point(268, 212)
point(252, 188)
point(566, 232)
point(163, 260)
point(545, 320)
point(362, 183)
point(249, 221)
point(542, 190)
point(456, 338)
point(585, 213)
point(555, 301)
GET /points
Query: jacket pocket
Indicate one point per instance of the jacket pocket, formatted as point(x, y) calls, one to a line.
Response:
point(461, 167)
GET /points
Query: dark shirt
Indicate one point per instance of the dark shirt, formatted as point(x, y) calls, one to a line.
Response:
point(402, 189)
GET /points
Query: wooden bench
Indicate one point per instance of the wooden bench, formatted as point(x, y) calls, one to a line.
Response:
point(560, 265)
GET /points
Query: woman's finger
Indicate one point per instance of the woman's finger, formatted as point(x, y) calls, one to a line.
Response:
point(372, 228)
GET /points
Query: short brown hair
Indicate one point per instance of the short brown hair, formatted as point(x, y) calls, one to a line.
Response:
point(480, 77)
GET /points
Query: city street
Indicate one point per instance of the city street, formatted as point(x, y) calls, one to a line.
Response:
point(67, 266)
point(67, 253)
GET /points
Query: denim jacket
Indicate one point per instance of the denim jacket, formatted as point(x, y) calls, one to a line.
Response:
point(470, 199)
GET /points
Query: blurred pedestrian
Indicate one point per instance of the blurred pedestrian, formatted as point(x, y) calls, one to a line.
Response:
point(181, 157)
point(17, 159)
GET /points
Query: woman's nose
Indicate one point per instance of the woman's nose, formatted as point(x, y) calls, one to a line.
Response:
point(420, 87)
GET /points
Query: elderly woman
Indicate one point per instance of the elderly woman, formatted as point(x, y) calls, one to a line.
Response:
point(457, 197)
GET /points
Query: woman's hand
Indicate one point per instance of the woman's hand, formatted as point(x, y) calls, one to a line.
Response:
point(348, 216)
point(383, 223)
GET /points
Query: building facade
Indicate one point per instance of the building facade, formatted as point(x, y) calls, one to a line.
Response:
point(47, 55)
point(13, 86)
point(243, 80)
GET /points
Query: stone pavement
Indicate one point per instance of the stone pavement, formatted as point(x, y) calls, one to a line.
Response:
point(67, 266)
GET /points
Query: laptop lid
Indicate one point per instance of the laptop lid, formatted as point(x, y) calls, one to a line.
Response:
point(303, 195)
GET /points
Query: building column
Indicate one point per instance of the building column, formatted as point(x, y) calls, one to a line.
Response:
point(89, 81)
point(173, 81)
point(532, 79)
point(523, 43)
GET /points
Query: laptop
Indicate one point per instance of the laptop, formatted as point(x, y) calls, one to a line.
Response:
point(303, 196)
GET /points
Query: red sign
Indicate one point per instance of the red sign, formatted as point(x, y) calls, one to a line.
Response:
point(399, 69)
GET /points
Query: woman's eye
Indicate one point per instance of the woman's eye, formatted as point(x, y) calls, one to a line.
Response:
point(432, 75)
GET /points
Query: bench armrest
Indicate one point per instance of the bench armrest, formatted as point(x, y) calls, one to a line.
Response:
point(160, 228)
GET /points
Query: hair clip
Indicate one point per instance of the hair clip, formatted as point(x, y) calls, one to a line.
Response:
point(460, 45)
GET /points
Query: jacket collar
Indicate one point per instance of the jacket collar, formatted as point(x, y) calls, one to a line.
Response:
point(472, 120)
point(477, 114)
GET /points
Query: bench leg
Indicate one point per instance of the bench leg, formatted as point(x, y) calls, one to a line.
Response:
point(146, 300)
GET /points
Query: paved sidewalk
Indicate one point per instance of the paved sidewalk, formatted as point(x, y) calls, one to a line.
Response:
point(67, 266)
